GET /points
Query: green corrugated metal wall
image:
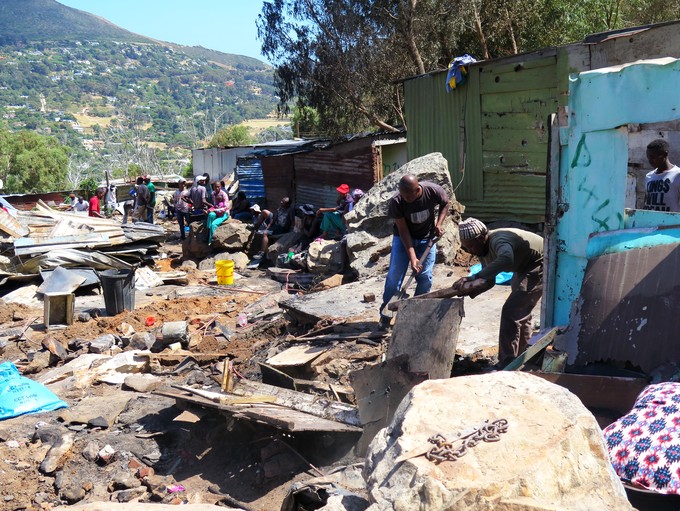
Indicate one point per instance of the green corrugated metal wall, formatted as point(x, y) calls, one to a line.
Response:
point(504, 108)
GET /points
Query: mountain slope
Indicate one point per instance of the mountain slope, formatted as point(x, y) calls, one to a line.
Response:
point(46, 20)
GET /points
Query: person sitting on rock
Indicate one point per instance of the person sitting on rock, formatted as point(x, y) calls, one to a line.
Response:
point(272, 225)
point(240, 208)
point(333, 225)
point(218, 213)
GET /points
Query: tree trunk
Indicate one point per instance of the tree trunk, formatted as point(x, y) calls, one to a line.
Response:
point(410, 37)
point(480, 32)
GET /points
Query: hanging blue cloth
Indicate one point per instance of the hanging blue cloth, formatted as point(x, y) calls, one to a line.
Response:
point(458, 71)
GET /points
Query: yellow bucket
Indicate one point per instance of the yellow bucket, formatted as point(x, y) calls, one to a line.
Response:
point(225, 272)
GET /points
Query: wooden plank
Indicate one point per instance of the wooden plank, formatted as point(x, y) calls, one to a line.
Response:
point(492, 82)
point(543, 101)
point(307, 403)
point(276, 416)
point(532, 162)
point(513, 120)
point(11, 225)
point(532, 351)
point(515, 140)
point(526, 62)
point(297, 355)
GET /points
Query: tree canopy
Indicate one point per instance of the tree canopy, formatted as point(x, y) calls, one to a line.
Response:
point(32, 163)
point(231, 136)
point(344, 58)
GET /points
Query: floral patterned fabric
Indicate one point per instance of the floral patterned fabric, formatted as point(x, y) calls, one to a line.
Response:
point(644, 445)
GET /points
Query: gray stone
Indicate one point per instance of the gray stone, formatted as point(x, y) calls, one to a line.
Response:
point(142, 340)
point(188, 265)
point(231, 236)
point(175, 331)
point(345, 503)
point(91, 450)
point(370, 229)
point(196, 245)
point(102, 344)
point(281, 245)
point(83, 317)
point(130, 494)
point(552, 456)
point(240, 259)
point(60, 441)
point(97, 412)
point(123, 481)
point(72, 494)
point(37, 361)
point(41, 497)
point(142, 382)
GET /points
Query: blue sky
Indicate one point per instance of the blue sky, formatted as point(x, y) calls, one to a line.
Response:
point(224, 25)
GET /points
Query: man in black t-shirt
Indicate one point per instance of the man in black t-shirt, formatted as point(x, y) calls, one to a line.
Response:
point(413, 211)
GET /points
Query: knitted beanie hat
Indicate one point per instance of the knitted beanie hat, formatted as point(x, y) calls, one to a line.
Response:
point(471, 228)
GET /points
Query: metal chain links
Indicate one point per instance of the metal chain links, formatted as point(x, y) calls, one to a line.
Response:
point(444, 450)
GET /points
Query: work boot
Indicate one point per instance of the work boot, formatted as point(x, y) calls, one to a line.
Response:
point(385, 322)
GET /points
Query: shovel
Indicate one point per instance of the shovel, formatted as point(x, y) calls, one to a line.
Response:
point(402, 293)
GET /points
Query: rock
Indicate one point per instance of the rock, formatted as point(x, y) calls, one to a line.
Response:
point(128, 495)
point(196, 377)
point(60, 441)
point(329, 283)
point(231, 236)
point(123, 481)
point(370, 230)
point(142, 341)
point(142, 382)
point(125, 329)
point(552, 456)
point(325, 257)
point(102, 344)
point(56, 348)
point(95, 411)
point(83, 317)
point(281, 245)
point(91, 451)
point(37, 361)
point(72, 494)
point(196, 245)
point(188, 265)
point(175, 331)
point(345, 503)
point(240, 259)
point(106, 454)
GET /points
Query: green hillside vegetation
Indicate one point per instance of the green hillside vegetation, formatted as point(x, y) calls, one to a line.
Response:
point(36, 20)
point(115, 100)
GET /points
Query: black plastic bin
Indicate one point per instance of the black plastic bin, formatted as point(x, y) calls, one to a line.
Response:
point(118, 287)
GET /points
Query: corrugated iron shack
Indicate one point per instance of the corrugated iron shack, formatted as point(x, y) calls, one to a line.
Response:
point(611, 273)
point(493, 129)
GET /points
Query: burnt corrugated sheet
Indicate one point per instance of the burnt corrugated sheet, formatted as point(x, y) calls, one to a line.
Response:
point(630, 307)
point(318, 173)
point(279, 178)
point(28, 201)
point(251, 181)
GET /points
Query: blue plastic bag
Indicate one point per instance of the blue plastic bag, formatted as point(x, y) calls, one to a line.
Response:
point(502, 278)
point(20, 395)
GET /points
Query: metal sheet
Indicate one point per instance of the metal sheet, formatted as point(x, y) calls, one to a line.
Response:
point(251, 180)
point(629, 307)
point(61, 280)
point(72, 258)
point(279, 178)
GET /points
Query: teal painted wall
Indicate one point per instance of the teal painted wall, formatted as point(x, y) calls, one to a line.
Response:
point(594, 158)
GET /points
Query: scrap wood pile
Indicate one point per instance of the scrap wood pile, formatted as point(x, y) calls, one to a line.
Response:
point(47, 238)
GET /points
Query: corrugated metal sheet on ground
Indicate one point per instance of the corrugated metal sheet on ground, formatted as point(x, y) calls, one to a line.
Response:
point(630, 307)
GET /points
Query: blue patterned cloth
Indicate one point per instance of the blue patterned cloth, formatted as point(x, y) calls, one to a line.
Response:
point(458, 71)
point(644, 445)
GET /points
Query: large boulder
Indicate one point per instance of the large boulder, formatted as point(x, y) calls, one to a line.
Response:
point(370, 229)
point(195, 246)
point(282, 244)
point(240, 259)
point(231, 236)
point(552, 456)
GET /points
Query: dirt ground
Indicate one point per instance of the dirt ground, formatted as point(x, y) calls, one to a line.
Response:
point(251, 462)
